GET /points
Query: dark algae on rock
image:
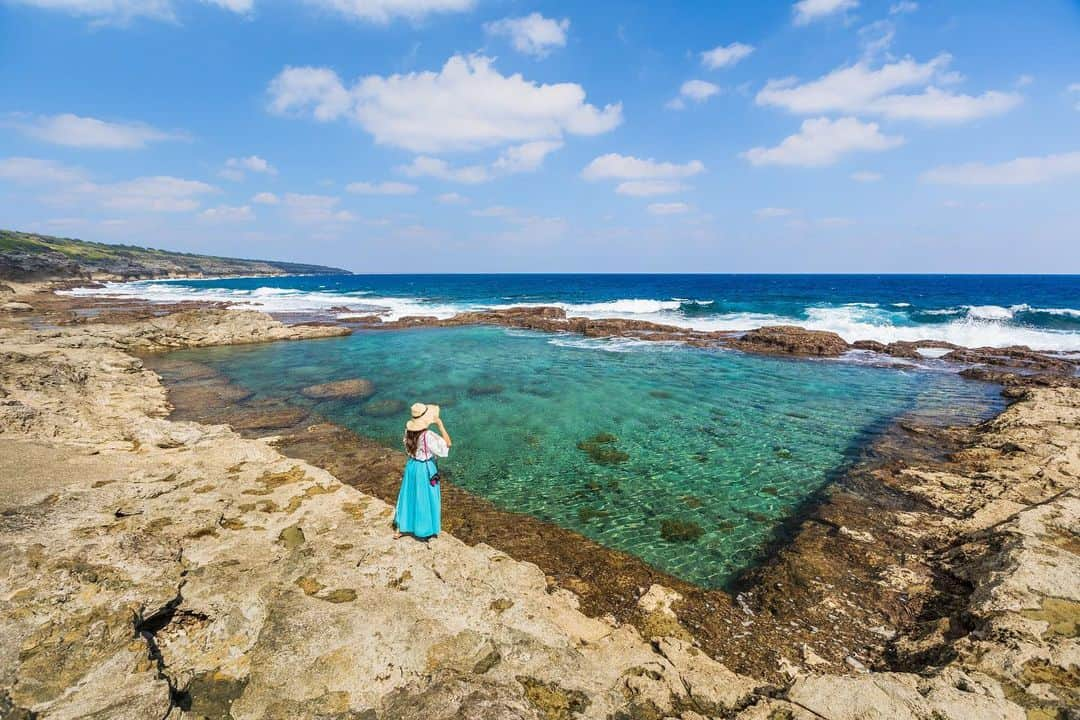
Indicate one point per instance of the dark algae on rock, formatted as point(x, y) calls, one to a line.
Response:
point(601, 449)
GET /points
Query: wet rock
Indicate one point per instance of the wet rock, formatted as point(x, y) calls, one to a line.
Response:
point(791, 340)
point(674, 530)
point(1018, 358)
point(385, 407)
point(208, 395)
point(872, 345)
point(353, 388)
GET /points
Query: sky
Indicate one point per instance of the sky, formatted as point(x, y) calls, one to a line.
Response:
point(542, 136)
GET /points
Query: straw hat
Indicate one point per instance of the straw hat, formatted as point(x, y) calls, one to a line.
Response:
point(422, 416)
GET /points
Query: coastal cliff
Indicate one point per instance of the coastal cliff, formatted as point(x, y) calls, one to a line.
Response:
point(30, 257)
point(157, 568)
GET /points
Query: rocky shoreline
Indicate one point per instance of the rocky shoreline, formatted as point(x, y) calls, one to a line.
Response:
point(158, 568)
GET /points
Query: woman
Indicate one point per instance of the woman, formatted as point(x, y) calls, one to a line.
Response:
point(418, 510)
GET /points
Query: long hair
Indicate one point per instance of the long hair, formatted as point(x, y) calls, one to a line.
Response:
point(412, 441)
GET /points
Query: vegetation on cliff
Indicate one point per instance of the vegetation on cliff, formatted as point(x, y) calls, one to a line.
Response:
point(28, 256)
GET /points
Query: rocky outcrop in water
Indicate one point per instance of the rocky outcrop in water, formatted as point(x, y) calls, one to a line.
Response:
point(791, 340)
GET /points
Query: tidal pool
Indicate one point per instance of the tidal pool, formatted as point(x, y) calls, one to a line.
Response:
point(689, 459)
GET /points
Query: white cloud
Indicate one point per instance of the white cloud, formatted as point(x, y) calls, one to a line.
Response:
point(467, 105)
point(123, 12)
point(254, 163)
point(694, 90)
point(625, 167)
point(240, 7)
point(876, 38)
point(452, 198)
point(860, 89)
point(528, 228)
point(318, 90)
point(648, 188)
point(36, 171)
point(903, 7)
point(383, 11)
point(228, 214)
point(807, 11)
point(725, 55)
point(424, 166)
point(675, 208)
point(108, 11)
point(533, 34)
point(160, 193)
point(773, 212)
point(821, 141)
point(525, 158)
point(381, 188)
point(315, 209)
point(496, 211)
point(865, 176)
point(87, 132)
point(1021, 171)
point(265, 198)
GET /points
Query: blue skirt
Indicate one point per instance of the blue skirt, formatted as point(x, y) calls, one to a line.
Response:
point(418, 504)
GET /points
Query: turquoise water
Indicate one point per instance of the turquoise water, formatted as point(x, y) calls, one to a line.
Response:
point(725, 442)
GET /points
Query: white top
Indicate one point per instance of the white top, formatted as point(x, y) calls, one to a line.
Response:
point(431, 445)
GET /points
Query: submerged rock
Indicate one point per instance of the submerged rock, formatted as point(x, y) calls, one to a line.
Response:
point(383, 408)
point(353, 388)
point(482, 389)
point(680, 530)
point(601, 449)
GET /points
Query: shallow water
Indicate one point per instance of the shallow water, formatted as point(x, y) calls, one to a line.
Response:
point(729, 443)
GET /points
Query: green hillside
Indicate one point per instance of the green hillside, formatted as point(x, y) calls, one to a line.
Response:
point(29, 256)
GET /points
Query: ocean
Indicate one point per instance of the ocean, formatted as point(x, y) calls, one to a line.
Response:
point(1042, 312)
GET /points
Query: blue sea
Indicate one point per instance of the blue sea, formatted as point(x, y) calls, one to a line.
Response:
point(1042, 312)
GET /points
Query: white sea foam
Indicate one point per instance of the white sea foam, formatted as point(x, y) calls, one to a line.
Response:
point(615, 344)
point(275, 300)
point(989, 312)
point(611, 308)
point(1067, 312)
point(972, 326)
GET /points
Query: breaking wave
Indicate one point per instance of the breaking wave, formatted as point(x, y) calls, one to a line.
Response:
point(1050, 329)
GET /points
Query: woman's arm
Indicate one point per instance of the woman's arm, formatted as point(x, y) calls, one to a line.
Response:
point(442, 431)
